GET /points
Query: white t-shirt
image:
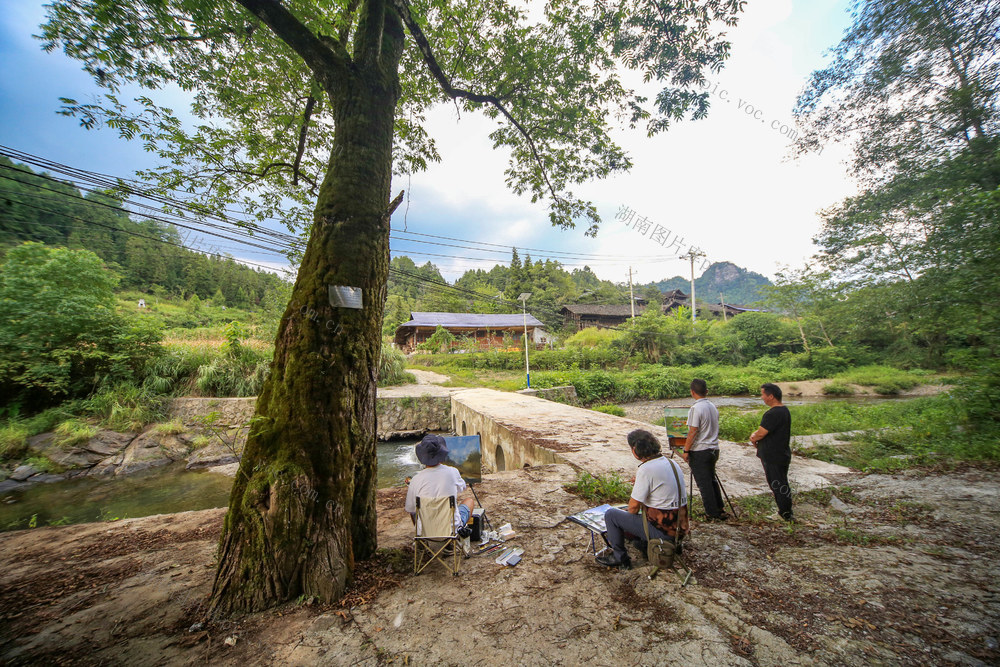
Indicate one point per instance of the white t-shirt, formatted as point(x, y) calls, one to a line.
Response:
point(436, 482)
point(655, 485)
point(704, 416)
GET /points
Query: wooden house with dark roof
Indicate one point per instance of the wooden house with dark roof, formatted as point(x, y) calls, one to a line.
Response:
point(580, 316)
point(487, 330)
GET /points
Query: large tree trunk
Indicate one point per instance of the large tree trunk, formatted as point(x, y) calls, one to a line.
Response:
point(303, 503)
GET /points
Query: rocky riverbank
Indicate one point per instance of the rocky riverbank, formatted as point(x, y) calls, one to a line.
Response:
point(202, 433)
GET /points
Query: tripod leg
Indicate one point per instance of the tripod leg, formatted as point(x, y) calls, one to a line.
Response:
point(731, 508)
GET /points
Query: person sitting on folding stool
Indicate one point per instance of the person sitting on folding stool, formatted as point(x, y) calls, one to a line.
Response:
point(437, 480)
point(658, 492)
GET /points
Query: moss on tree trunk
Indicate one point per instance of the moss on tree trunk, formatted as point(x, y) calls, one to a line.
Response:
point(303, 503)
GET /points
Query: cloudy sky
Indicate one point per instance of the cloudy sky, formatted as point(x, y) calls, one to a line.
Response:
point(725, 184)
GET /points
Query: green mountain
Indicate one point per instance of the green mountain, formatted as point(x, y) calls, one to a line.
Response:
point(736, 284)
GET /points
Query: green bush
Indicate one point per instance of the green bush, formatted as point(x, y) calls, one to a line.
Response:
point(610, 409)
point(234, 376)
point(885, 379)
point(838, 389)
point(73, 432)
point(593, 337)
point(979, 396)
point(392, 368)
point(59, 333)
point(13, 440)
point(568, 359)
point(601, 489)
point(126, 407)
point(440, 341)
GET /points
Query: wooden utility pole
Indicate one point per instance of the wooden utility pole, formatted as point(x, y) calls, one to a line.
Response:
point(722, 302)
point(692, 255)
point(631, 296)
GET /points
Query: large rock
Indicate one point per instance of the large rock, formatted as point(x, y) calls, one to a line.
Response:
point(86, 455)
point(22, 473)
point(108, 443)
point(152, 449)
point(212, 455)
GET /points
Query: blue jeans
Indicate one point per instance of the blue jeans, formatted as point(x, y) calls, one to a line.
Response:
point(464, 512)
point(620, 522)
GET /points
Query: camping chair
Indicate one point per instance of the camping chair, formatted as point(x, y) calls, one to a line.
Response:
point(434, 532)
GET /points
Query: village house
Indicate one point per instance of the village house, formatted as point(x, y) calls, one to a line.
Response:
point(487, 330)
point(582, 315)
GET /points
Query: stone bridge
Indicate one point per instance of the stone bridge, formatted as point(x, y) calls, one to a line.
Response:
point(519, 430)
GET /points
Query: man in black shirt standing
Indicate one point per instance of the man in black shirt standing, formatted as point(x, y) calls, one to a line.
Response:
point(773, 448)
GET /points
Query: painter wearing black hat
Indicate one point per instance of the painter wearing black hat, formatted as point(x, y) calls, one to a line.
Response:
point(437, 480)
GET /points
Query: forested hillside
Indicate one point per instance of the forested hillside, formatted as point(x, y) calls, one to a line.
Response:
point(146, 253)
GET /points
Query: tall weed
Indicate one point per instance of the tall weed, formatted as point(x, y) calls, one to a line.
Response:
point(126, 407)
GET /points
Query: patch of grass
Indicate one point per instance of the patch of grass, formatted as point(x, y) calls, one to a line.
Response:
point(601, 489)
point(862, 539)
point(885, 379)
point(73, 432)
point(13, 440)
point(201, 441)
point(755, 509)
point(126, 407)
point(43, 463)
point(170, 428)
point(610, 409)
point(392, 368)
point(838, 389)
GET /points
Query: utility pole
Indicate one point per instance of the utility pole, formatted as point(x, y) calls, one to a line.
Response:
point(692, 255)
point(722, 302)
point(631, 296)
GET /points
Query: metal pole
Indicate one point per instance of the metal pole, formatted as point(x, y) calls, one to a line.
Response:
point(524, 306)
point(527, 370)
point(631, 296)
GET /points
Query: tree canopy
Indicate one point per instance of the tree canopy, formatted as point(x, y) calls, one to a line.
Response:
point(553, 77)
point(915, 86)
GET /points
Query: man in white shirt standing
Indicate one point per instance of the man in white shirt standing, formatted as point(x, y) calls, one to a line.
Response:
point(701, 450)
point(659, 485)
point(437, 480)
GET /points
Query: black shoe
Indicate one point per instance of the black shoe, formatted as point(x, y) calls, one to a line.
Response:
point(609, 560)
point(464, 531)
point(719, 517)
point(788, 517)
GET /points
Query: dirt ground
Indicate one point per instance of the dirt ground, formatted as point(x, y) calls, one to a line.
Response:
point(884, 570)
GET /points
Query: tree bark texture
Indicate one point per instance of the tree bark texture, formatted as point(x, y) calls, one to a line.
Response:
point(303, 502)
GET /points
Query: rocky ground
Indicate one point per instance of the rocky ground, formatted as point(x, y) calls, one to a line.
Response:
point(881, 569)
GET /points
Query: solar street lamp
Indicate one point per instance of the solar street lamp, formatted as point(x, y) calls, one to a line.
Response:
point(524, 307)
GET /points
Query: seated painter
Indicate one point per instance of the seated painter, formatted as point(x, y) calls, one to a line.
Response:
point(658, 492)
point(437, 480)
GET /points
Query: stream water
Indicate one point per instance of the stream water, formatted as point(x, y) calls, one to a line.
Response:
point(161, 490)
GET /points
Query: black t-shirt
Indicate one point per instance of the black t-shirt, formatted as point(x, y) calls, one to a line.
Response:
point(774, 447)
